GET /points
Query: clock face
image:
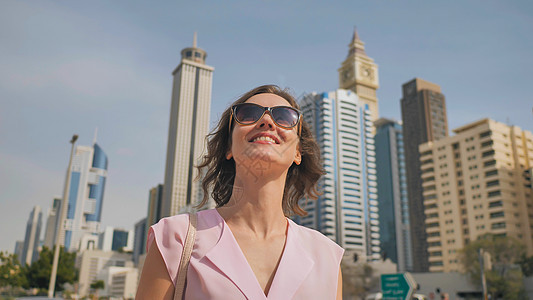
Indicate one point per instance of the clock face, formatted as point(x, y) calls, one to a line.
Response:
point(367, 72)
point(346, 74)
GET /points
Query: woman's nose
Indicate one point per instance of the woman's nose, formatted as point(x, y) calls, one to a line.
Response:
point(266, 120)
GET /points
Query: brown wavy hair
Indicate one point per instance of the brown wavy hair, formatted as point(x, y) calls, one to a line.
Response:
point(220, 175)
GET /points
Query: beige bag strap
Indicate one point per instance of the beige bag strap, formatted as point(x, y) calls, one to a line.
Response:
point(185, 258)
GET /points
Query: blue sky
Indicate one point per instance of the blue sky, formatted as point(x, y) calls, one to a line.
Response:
point(72, 66)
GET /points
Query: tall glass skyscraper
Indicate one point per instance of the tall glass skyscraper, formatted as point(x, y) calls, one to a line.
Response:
point(85, 199)
point(347, 210)
point(392, 194)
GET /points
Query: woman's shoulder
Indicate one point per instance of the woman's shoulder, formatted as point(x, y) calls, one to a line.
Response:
point(173, 221)
point(314, 238)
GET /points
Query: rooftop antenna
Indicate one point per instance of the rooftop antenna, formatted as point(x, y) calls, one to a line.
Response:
point(194, 40)
point(95, 135)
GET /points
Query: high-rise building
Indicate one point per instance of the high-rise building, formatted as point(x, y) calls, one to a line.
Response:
point(189, 125)
point(155, 201)
point(19, 246)
point(30, 250)
point(394, 231)
point(347, 210)
point(52, 223)
point(424, 120)
point(139, 241)
point(476, 182)
point(359, 73)
point(85, 199)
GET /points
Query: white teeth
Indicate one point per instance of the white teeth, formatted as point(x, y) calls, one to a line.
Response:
point(264, 138)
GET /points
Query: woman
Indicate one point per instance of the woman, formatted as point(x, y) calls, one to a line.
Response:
point(261, 160)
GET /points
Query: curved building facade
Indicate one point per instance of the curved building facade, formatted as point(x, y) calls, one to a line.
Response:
point(86, 197)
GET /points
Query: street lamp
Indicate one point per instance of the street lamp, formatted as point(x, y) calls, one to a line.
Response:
point(60, 224)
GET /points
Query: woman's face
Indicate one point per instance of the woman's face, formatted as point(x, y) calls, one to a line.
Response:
point(264, 146)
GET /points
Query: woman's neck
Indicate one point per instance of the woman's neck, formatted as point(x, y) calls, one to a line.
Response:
point(255, 207)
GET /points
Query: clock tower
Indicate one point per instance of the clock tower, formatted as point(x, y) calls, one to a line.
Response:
point(359, 73)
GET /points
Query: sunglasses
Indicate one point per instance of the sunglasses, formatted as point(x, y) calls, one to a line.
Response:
point(250, 113)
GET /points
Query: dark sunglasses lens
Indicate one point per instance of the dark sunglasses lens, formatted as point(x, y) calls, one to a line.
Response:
point(285, 116)
point(248, 113)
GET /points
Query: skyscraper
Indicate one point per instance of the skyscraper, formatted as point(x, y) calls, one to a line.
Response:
point(189, 125)
point(30, 249)
point(155, 201)
point(393, 205)
point(51, 224)
point(476, 182)
point(347, 210)
point(85, 199)
point(424, 120)
point(359, 73)
point(139, 241)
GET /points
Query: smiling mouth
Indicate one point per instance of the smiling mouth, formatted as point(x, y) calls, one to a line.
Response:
point(264, 139)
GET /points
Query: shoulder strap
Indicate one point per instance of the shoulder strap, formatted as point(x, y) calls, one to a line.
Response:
point(185, 258)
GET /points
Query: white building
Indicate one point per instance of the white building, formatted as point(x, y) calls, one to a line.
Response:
point(120, 282)
point(85, 199)
point(93, 265)
point(347, 211)
point(189, 125)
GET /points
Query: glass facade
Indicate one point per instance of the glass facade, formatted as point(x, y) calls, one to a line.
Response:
point(392, 194)
point(347, 210)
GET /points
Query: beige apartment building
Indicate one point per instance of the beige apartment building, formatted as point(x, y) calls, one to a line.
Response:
point(476, 182)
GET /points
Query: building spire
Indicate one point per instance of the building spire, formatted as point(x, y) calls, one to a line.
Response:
point(194, 40)
point(355, 36)
point(95, 135)
point(356, 45)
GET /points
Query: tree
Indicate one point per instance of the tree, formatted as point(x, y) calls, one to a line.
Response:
point(97, 285)
point(357, 279)
point(505, 279)
point(38, 273)
point(526, 264)
point(11, 272)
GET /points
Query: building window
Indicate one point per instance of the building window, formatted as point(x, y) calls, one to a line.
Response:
point(496, 203)
point(497, 214)
point(487, 143)
point(493, 183)
point(494, 194)
point(498, 225)
point(484, 134)
point(488, 153)
point(489, 163)
point(491, 173)
point(434, 244)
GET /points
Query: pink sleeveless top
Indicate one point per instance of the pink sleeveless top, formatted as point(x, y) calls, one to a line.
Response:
point(308, 269)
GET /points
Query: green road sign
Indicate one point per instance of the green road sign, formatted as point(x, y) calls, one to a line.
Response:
point(398, 286)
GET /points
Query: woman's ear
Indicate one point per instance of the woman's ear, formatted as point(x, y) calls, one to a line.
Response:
point(298, 157)
point(229, 155)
